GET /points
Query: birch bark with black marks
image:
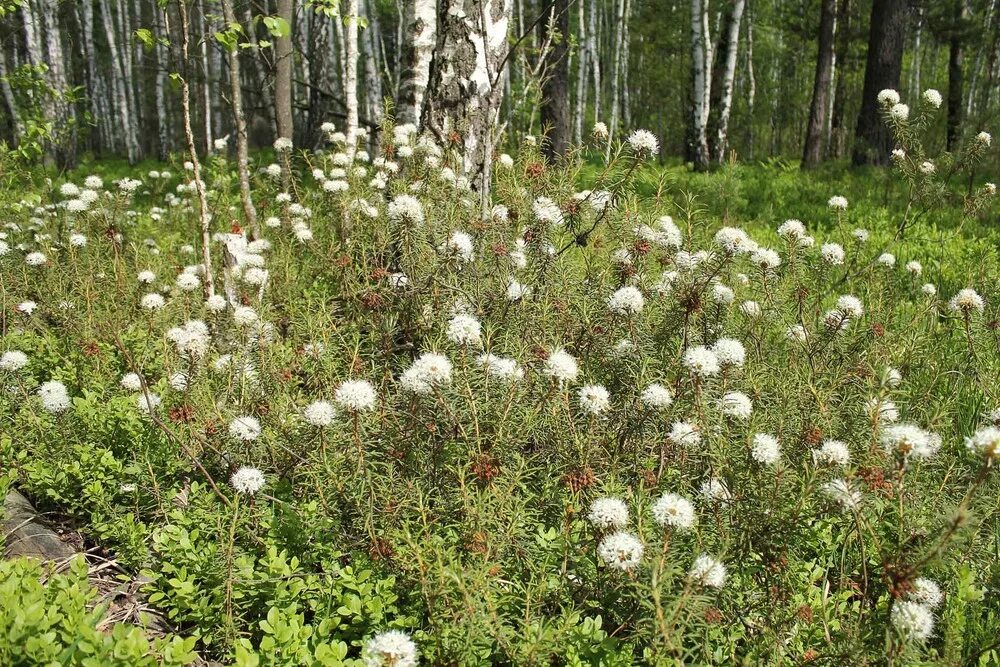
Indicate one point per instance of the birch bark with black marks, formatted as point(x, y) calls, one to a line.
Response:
point(419, 38)
point(701, 67)
point(722, 100)
point(580, 109)
point(466, 82)
point(351, 76)
point(616, 62)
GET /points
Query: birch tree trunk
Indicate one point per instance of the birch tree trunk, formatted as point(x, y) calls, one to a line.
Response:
point(751, 85)
point(283, 73)
point(727, 75)
point(956, 74)
point(65, 115)
point(813, 150)
point(372, 58)
point(420, 28)
point(593, 56)
point(351, 76)
point(466, 82)
point(206, 73)
point(838, 125)
point(8, 98)
point(242, 153)
point(118, 86)
point(206, 237)
point(160, 86)
point(701, 67)
point(581, 76)
point(616, 75)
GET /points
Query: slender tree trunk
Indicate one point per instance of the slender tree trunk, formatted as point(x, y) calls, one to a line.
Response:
point(626, 101)
point(701, 67)
point(956, 78)
point(206, 237)
point(242, 152)
point(283, 73)
point(466, 82)
point(914, 86)
point(372, 59)
point(751, 85)
point(838, 125)
point(593, 55)
point(581, 76)
point(616, 63)
point(555, 87)
point(722, 86)
point(8, 97)
point(259, 71)
point(65, 115)
point(118, 86)
point(813, 150)
point(420, 28)
point(882, 70)
point(351, 76)
point(164, 144)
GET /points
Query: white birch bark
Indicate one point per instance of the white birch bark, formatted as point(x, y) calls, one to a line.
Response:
point(701, 64)
point(118, 86)
point(420, 30)
point(616, 75)
point(351, 76)
point(728, 77)
point(581, 75)
point(594, 57)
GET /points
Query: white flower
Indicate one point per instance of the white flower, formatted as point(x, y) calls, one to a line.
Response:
point(966, 300)
point(131, 382)
point(832, 253)
point(729, 352)
point(503, 368)
point(708, 571)
point(547, 211)
point(832, 451)
point(893, 377)
point(594, 399)
point(765, 258)
point(146, 277)
point(914, 267)
point(932, 97)
point(506, 161)
point(77, 240)
point(644, 142)
point(722, 294)
point(734, 240)
point(909, 440)
point(674, 511)
point(850, 305)
point(13, 360)
point(927, 168)
point(216, 303)
point(736, 404)
point(985, 139)
point(55, 398)
point(69, 190)
point(247, 481)
point(428, 371)
point(244, 316)
point(656, 396)
point(765, 449)
point(899, 112)
point(561, 366)
point(926, 592)
point(792, 230)
point(621, 551)
point(178, 381)
point(837, 203)
point(244, 428)
point(282, 144)
point(882, 410)
point(986, 442)
point(406, 209)
point(516, 291)
point(27, 307)
point(888, 97)
point(459, 245)
point(715, 490)
point(465, 330)
point(886, 259)
point(684, 434)
point(187, 282)
point(701, 361)
point(913, 620)
point(928, 289)
point(600, 130)
point(319, 413)
point(627, 300)
point(390, 649)
point(356, 396)
point(152, 301)
point(35, 259)
point(147, 402)
point(841, 492)
point(608, 513)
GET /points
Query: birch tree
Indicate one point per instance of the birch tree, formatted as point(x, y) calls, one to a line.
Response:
point(419, 28)
point(582, 61)
point(701, 67)
point(351, 76)
point(723, 83)
point(230, 40)
point(466, 84)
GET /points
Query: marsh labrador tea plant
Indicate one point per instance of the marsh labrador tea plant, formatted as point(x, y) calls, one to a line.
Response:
point(396, 426)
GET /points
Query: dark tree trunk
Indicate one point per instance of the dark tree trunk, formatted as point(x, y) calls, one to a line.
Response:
point(838, 125)
point(555, 87)
point(956, 81)
point(283, 73)
point(812, 154)
point(882, 70)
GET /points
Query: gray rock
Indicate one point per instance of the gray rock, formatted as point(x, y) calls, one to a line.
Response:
point(24, 535)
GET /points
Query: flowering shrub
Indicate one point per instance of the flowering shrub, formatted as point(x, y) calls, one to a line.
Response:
point(583, 427)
